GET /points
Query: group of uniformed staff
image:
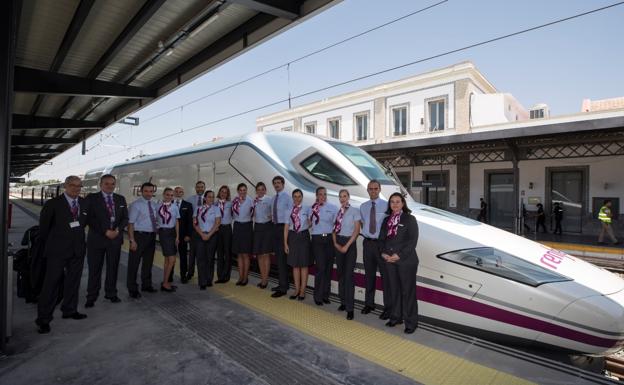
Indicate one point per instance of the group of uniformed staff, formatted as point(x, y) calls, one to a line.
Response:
point(217, 224)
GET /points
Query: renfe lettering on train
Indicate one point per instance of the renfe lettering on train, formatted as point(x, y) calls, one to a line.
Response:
point(553, 258)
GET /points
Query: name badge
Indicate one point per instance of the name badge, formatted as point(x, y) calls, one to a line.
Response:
point(112, 219)
point(74, 224)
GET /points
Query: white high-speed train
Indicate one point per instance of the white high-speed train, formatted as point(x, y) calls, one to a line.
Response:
point(472, 276)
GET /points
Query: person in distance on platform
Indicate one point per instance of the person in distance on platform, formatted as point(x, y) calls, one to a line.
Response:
point(142, 229)
point(242, 237)
point(207, 223)
point(62, 232)
point(297, 243)
point(224, 236)
point(168, 235)
point(372, 213)
point(107, 218)
point(323, 217)
point(280, 211)
point(263, 233)
point(399, 236)
point(197, 201)
point(540, 219)
point(186, 231)
point(345, 232)
point(558, 214)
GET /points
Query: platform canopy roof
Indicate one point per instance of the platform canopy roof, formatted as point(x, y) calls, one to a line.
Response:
point(82, 65)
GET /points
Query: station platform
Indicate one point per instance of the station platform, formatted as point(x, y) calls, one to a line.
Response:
point(239, 335)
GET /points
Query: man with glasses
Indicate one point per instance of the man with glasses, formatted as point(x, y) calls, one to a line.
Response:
point(62, 232)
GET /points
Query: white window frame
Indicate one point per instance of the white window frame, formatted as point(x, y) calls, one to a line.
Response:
point(312, 124)
point(329, 128)
point(355, 126)
point(428, 102)
point(407, 120)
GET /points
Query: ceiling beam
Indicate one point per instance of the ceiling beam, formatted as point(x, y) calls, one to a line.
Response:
point(285, 9)
point(23, 140)
point(27, 151)
point(80, 15)
point(44, 82)
point(26, 122)
point(138, 21)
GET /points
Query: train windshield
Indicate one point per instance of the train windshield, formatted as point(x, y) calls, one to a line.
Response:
point(502, 264)
point(366, 163)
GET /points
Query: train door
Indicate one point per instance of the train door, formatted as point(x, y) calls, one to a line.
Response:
point(567, 186)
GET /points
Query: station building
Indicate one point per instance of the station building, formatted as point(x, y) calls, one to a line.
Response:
point(452, 139)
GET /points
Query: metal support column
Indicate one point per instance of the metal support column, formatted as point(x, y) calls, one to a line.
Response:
point(517, 215)
point(9, 16)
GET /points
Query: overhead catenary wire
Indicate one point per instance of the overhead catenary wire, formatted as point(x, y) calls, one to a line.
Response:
point(377, 73)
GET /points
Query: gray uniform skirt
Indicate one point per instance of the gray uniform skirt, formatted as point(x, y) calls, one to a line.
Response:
point(167, 239)
point(263, 238)
point(242, 238)
point(298, 249)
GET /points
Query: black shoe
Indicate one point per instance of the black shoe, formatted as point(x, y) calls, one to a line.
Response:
point(275, 288)
point(149, 290)
point(384, 316)
point(135, 294)
point(393, 323)
point(202, 287)
point(114, 299)
point(301, 297)
point(75, 315)
point(245, 282)
point(278, 294)
point(292, 296)
point(43, 328)
point(210, 284)
point(262, 286)
point(239, 283)
point(219, 281)
point(342, 308)
point(349, 315)
point(367, 309)
point(89, 304)
point(326, 301)
point(409, 330)
point(165, 289)
point(318, 303)
point(184, 280)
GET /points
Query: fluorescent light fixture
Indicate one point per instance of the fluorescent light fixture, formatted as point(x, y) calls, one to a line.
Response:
point(145, 70)
point(203, 25)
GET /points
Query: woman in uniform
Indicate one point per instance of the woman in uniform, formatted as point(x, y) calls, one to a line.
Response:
point(399, 235)
point(224, 236)
point(297, 243)
point(168, 235)
point(207, 221)
point(263, 233)
point(346, 231)
point(242, 236)
point(323, 216)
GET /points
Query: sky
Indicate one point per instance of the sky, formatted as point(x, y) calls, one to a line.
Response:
point(558, 65)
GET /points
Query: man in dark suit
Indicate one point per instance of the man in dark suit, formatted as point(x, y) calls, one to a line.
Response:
point(62, 230)
point(107, 217)
point(186, 231)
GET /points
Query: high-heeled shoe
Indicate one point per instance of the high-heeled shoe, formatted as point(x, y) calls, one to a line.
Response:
point(168, 290)
point(244, 283)
point(301, 297)
point(238, 283)
point(293, 297)
point(262, 286)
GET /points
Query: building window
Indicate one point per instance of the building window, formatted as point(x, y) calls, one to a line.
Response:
point(436, 115)
point(334, 128)
point(361, 126)
point(537, 114)
point(399, 121)
point(310, 128)
point(289, 128)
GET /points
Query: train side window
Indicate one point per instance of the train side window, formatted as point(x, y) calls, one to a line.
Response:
point(496, 262)
point(323, 169)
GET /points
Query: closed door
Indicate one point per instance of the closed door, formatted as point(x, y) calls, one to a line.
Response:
point(437, 196)
point(566, 187)
point(501, 200)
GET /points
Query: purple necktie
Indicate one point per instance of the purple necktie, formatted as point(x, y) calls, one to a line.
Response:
point(275, 208)
point(151, 215)
point(74, 209)
point(111, 209)
point(199, 201)
point(372, 224)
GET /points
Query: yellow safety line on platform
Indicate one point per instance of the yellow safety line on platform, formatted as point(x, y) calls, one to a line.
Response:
point(584, 248)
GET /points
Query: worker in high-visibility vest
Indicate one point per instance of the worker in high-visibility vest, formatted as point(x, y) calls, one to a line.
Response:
point(605, 215)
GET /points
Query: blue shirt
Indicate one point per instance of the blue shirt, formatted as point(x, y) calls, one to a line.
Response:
point(244, 211)
point(226, 214)
point(263, 210)
point(327, 215)
point(175, 215)
point(197, 201)
point(206, 223)
point(69, 202)
point(304, 215)
point(380, 210)
point(284, 206)
point(351, 216)
point(139, 215)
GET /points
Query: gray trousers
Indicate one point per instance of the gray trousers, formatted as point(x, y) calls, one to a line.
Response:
point(280, 255)
point(323, 253)
point(144, 255)
point(97, 253)
point(346, 265)
point(373, 261)
point(205, 257)
point(608, 230)
point(402, 280)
